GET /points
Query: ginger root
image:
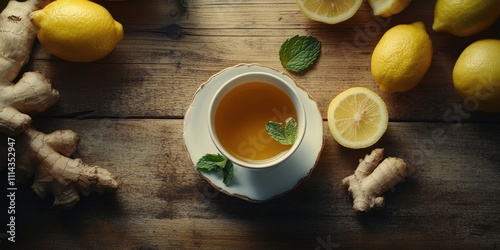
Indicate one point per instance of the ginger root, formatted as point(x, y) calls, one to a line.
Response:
point(372, 178)
point(46, 156)
point(33, 93)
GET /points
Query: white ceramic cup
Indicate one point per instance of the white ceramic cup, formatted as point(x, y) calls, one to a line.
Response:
point(286, 86)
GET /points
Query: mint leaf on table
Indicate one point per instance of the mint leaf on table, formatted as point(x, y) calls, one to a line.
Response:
point(228, 172)
point(216, 163)
point(211, 163)
point(299, 52)
point(284, 134)
point(184, 3)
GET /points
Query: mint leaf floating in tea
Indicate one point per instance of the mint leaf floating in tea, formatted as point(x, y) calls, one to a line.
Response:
point(284, 134)
point(299, 52)
point(216, 163)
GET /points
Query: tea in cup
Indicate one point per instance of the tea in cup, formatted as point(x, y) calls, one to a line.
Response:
point(238, 114)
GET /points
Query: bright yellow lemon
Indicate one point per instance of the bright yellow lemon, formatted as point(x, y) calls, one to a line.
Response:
point(476, 75)
point(77, 30)
point(402, 57)
point(465, 17)
point(357, 118)
point(329, 11)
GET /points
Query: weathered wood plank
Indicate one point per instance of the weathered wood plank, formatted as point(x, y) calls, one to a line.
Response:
point(166, 90)
point(450, 200)
point(129, 107)
point(168, 52)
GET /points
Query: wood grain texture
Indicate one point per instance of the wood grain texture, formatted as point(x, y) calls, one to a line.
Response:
point(450, 200)
point(129, 109)
point(168, 52)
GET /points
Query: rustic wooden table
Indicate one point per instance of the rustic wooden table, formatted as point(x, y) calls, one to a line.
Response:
point(129, 109)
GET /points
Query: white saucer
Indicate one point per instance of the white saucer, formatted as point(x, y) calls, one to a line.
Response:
point(247, 184)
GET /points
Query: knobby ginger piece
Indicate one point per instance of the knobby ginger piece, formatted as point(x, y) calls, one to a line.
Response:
point(33, 93)
point(17, 35)
point(46, 156)
point(372, 178)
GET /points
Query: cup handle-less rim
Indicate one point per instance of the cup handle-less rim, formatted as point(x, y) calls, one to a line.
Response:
point(270, 79)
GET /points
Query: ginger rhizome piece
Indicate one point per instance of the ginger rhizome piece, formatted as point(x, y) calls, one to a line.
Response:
point(46, 156)
point(372, 178)
point(33, 92)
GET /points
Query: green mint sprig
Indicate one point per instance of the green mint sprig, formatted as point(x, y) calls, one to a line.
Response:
point(216, 163)
point(299, 52)
point(284, 134)
point(184, 3)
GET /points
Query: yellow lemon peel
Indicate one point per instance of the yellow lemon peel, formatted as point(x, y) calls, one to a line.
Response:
point(465, 17)
point(476, 75)
point(402, 57)
point(77, 30)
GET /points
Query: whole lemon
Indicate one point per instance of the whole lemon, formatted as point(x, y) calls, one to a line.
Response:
point(476, 75)
point(77, 30)
point(402, 57)
point(465, 17)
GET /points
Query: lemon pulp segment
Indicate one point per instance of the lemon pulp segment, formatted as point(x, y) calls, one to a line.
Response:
point(357, 118)
point(328, 11)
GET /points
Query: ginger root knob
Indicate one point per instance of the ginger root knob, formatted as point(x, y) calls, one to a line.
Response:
point(47, 157)
point(372, 178)
point(33, 93)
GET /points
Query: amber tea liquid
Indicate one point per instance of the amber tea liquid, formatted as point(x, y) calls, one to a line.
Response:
point(240, 119)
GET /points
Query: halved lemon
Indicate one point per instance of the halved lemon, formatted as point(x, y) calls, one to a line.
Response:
point(388, 8)
point(357, 118)
point(329, 11)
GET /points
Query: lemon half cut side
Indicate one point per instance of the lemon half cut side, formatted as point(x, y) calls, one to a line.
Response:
point(357, 118)
point(387, 8)
point(329, 11)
